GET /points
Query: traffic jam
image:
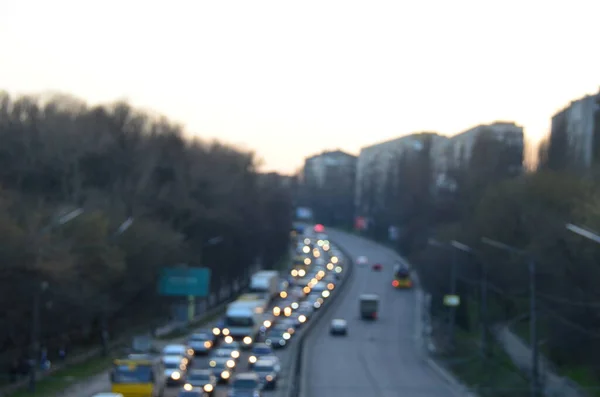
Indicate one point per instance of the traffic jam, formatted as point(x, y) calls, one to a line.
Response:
point(240, 355)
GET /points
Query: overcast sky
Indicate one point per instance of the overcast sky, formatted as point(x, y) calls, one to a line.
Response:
point(291, 78)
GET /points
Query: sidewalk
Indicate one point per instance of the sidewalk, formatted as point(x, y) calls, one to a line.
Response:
point(553, 385)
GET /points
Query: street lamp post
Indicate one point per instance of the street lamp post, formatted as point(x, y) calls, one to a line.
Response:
point(37, 294)
point(583, 232)
point(535, 387)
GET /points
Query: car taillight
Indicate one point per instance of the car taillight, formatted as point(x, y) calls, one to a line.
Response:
point(395, 283)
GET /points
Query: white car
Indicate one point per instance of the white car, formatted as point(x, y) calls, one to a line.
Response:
point(338, 327)
point(178, 350)
point(362, 260)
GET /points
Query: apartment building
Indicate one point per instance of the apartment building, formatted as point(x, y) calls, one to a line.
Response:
point(575, 135)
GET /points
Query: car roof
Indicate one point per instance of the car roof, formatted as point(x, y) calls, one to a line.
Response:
point(200, 372)
point(246, 375)
point(338, 321)
point(175, 346)
point(261, 345)
point(266, 360)
point(172, 359)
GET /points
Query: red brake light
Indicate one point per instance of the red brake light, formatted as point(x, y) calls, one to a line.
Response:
point(395, 283)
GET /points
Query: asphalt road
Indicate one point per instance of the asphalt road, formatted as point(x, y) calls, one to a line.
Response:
point(380, 358)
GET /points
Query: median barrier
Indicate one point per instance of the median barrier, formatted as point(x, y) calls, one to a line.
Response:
point(297, 382)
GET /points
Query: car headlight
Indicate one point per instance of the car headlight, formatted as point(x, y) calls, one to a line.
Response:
point(247, 340)
point(187, 387)
point(216, 331)
point(225, 332)
point(267, 324)
point(228, 339)
point(208, 344)
point(269, 378)
point(286, 336)
point(235, 354)
point(175, 375)
point(252, 359)
point(281, 342)
point(230, 363)
point(225, 374)
point(208, 388)
point(302, 318)
point(190, 352)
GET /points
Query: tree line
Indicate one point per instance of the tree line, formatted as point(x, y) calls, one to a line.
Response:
point(118, 163)
point(490, 197)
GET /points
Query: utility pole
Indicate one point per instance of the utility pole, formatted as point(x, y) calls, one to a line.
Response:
point(533, 330)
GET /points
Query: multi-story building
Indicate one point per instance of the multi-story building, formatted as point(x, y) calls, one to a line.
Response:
point(575, 135)
point(328, 184)
point(375, 163)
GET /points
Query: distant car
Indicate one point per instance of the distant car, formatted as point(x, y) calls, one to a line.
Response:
point(203, 379)
point(377, 267)
point(362, 260)
point(178, 350)
point(246, 384)
point(222, 368)
point(175, 369)
point(267, 370)
point(201, 342)
point(191, 392)
point(259, 350)
point(338, 327)
point(277, 338)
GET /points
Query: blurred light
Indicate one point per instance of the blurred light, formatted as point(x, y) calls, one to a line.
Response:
point(330, 266)
point(286, 335)
point(325, 247)
point(228, 339)
point(306, 290)
point(334, 259)
point(316, 254)
point(283, 294)
point(306, 241)
point(208, 388)
point(325, 294)
point(320, 243)
point(395, 283)
point(225, 374)
point(247, 340)
point(287, 311)
point(276, 311)
point(187, 387)
point(295, 305)
point(302, 318)
point(208, 344)
point(319, 228)
point(338, 269)
point(252, 359)
point(301, 273)
point(294, 273)
point(176, 375)
point(321, 273)
point(216, 331)
point(230, 363)
point(306, 249)
point(225, 332)
point(235, 354)
point(307, 261)
point(330, 286)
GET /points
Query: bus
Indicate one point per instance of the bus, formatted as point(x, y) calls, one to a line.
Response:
point(138, 375)
point(401, 277)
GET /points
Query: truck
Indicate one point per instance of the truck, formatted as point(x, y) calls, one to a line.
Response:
point(243, 319)
point(369, 306)
point(265, 282)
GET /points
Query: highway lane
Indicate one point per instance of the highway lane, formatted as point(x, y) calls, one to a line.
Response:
point(381, 358)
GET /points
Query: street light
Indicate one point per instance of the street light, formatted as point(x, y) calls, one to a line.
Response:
point(37, 293)
point(453, 275)
point(583, 232)
point(533, 309)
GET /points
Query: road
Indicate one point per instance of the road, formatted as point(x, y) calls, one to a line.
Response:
point(381, 358)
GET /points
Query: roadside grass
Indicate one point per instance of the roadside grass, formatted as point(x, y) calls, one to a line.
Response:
point(584, 377)
point(63, 378)
point(494, 376)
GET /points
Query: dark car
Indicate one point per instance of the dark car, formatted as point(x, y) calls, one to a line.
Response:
point(246, 384)
point(278, 338)
point(202, 378)
point(259, 350)
point(222, 368)
point(201, 342)
point(377, 267)
point(267, 370)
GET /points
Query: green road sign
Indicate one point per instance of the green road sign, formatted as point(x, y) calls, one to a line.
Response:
point(184, 281)
point(451, 300)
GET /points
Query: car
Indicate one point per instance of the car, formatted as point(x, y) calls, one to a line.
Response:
point(178, 350)
point(267, 370)
point(221, 353)
point(377, 267)
point(232, 346)
point(362, 260)
point(201, 342)
point(175, 369)
point(245, 384)
point(189, 391)
point(298, 319)
point(338, 327)
point(222, 368)
point(278, 338)
point(108, 395)
point(203, 379)
point(287, 324)
point(259, 350)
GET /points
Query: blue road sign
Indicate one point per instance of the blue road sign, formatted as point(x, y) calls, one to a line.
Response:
point(188, 281)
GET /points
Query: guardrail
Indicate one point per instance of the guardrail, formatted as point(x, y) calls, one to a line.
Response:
point(296, 384)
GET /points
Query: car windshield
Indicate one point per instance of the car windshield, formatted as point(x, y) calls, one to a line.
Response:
point(172, 365)
point(198, 377)
point(244, 384)
point(260, 367)
point(132, 374)
point(262, 350)
point(239, 321)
